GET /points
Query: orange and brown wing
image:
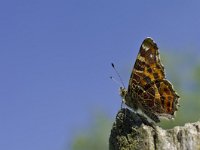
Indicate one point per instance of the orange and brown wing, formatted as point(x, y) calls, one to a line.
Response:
point(168, 98)
point(148, 83)
point(160, 98)
point(148, 67)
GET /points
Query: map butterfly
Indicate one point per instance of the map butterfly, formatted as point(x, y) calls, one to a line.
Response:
point(148, 89)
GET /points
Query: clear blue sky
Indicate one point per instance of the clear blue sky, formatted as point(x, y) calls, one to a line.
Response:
point(55, 60)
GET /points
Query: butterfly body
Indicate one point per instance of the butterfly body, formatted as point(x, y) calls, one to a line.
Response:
point(148, 88)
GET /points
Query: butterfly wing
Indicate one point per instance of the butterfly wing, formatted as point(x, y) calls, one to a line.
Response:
point(148, 88)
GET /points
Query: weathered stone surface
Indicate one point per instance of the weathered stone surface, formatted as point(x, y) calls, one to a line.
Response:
point(131, 131)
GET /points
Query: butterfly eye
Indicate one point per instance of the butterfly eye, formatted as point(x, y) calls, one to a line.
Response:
point(123, 92)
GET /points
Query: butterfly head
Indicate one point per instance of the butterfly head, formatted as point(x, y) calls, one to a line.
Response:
point(123, 92)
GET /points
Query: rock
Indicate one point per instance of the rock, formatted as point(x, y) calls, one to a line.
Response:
point(132, 131)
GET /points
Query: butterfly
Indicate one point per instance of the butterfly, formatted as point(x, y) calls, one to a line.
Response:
point(148, 89)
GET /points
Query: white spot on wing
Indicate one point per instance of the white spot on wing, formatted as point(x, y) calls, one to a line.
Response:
point(146, 48)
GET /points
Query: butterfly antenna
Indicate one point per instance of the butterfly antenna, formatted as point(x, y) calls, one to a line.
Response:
point(117, 75)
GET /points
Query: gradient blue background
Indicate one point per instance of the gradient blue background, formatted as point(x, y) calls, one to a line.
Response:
point(55, 61)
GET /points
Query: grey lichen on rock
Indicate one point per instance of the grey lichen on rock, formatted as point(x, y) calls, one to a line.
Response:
point(132, 131)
